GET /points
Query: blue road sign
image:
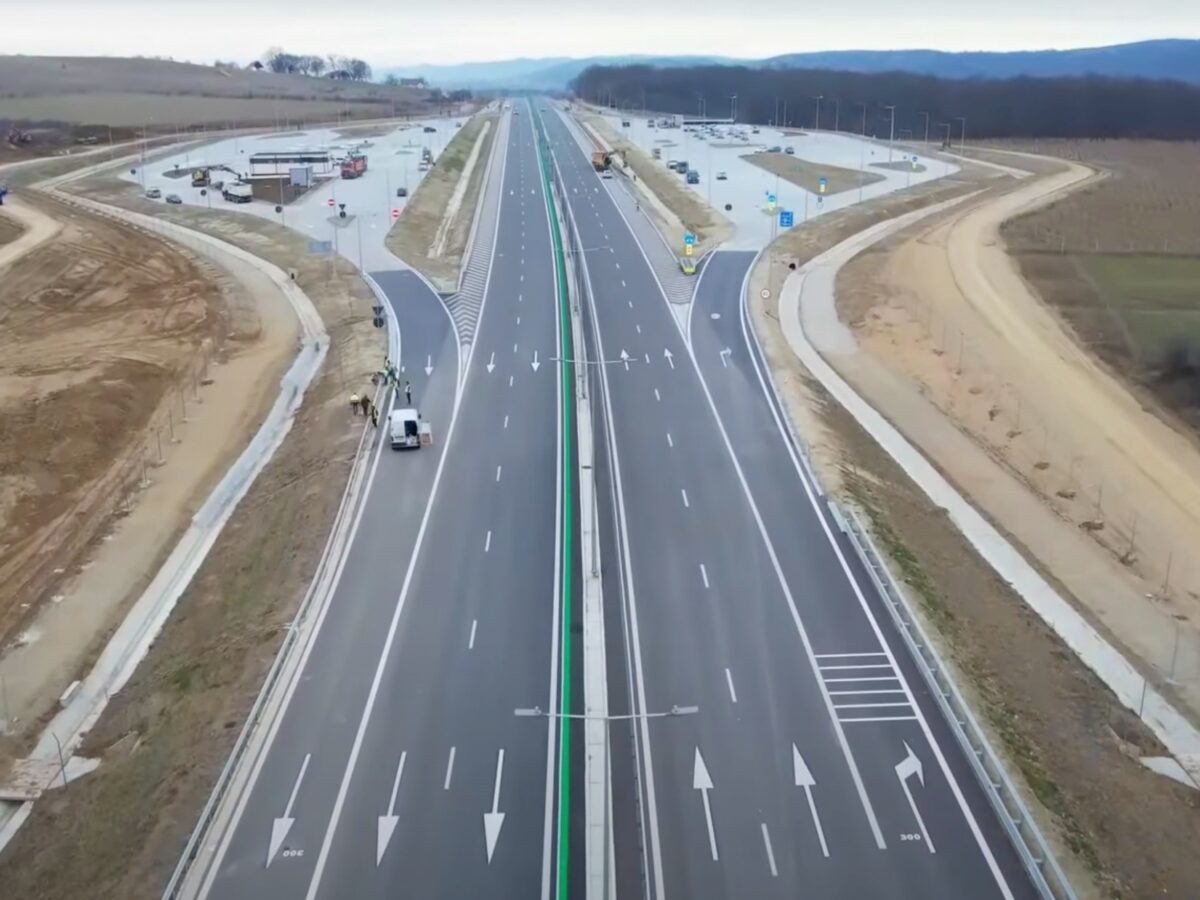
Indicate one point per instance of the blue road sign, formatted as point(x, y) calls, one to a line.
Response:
point(320, 246)
point(771, 199)
point(689, 238)
point(786, 218)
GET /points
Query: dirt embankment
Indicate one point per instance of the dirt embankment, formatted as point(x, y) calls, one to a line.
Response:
point(119, 831)
point(808, 174)
point(1120, 830)
point(10, 229)
point(431, 233)
point(96, 327)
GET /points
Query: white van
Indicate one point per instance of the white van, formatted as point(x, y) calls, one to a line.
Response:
point(404, 426)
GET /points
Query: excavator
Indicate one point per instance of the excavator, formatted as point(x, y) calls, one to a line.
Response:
point(202, 177)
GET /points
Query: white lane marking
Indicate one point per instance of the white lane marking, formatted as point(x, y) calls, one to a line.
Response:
point(845, 655)
point(864, 678)
point(514, 348)
point(630, 302)
point(865, 705)
point(617, 264)
point(638, 327)
point(471, 641)
point(622, 282)
point(506, 421)
point(487, 544)
point(510, 381)
point(704, 574)
point(498, 472)
point(670, 442)
point(283, 824)
point(882, 719)
point(770, 853)
point(449, 770)
point(866, 666)
point(685, 499)
point(983, 845)
point(648, 359)
point(729, 681)
point(857, 693)
point(518, 320)
point(657, 395)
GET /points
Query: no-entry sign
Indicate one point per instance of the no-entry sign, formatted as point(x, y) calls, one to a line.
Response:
point(395, 213)
point(329, 202)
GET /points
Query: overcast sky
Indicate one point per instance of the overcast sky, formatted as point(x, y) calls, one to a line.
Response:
point(396, 32)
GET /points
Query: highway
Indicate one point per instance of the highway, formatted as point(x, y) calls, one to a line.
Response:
point(815, 760)
point(398, 760)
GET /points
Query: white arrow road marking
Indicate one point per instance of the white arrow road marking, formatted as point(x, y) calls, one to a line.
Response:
point(491, 362)
point(702, 782)
point(449, 770)
point(387, 824)
point(725, 357)
point(428, 365)
point(732, 692)
point(685, 499)
point(471, 641)
point(282, 825)
point(535, 362)
point(625, 359)
point(910, 765)
point(704, 574)
point(494, 819)
point(804, 779)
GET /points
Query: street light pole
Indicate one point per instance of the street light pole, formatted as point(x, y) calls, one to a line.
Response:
point(892, 133)
point(732, 108)
point(926, 115)
point(817, 123)
point(962, 145)
point(837, 113)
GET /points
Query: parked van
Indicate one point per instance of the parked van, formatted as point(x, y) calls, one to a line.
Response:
point(404, 426)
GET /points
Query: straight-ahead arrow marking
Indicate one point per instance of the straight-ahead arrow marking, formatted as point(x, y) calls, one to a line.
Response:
point(491, 362)
point(282, 825)
point(725, 357)
point(387, 824)
point(669, 356)
point(804, 779)
point(702, 782)
point(492, 821)
point(535, 362)
point(428, 365)
point(908, 766)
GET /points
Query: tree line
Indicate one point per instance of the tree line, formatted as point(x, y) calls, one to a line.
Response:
point(1067, 107)
point(331, 65)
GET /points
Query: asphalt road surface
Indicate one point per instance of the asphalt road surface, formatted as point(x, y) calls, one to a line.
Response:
point(399, 762)
point(815, 762)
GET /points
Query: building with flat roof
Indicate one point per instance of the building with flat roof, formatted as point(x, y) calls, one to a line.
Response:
point(277, 164)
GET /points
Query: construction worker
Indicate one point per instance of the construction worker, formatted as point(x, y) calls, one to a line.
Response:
point(366, 405)
point(354, 404)
point(408, 392)
point(374, 416)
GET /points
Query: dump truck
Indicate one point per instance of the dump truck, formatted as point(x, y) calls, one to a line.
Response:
point(238, 192)
point(354, 165)
point(601, 160)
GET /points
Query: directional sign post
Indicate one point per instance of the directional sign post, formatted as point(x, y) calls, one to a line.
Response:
point(786, 218)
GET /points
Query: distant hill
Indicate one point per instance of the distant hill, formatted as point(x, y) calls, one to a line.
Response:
point(1177, 59)
point(1174, 59)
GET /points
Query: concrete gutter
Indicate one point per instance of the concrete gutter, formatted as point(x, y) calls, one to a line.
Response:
point(1131, 687)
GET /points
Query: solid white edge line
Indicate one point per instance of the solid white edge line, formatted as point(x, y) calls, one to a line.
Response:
point(652, 853)
point(766, 835)
point(552, 760)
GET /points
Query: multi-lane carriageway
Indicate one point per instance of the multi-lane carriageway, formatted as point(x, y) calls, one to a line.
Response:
point(814, 765)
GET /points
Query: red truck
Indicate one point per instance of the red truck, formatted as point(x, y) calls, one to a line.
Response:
point(354, 166)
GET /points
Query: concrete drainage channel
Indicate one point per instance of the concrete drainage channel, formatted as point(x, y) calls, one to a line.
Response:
point(133, 637)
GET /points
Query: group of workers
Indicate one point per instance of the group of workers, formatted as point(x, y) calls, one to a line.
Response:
point(362, 403)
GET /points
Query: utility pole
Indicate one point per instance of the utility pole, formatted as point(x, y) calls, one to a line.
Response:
point(817, 122)
point(785, 118)
point(733, 108)
point(962, 143)
point(926, 115)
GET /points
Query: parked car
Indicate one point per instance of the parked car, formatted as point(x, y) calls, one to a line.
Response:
point(775, 149)
point(153, 193)
point(429, 129)
point(693, 177)
point(721, 176)
point(790, 151)
point(174, 198)
point(401, 192)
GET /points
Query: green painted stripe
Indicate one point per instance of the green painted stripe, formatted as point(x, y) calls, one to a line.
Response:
point(568, 556)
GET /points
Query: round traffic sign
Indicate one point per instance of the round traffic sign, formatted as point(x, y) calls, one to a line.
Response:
point(765, 293)
point(278, 208)
point(395, 213)
point(329, 201)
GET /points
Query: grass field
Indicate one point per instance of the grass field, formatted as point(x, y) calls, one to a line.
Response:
point(808, 174)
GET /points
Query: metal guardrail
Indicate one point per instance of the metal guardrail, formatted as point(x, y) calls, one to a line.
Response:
point(1036, 856)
